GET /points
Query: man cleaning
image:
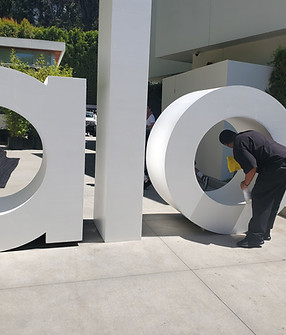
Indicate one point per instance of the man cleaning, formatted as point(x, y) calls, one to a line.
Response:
point(259, 154)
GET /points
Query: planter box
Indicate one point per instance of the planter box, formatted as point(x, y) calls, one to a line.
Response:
point(4, 135)
point(19, 143)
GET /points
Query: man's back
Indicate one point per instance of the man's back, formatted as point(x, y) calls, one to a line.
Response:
point(253, 149)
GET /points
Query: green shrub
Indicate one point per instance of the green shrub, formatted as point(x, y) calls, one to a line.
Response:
point(277, 81)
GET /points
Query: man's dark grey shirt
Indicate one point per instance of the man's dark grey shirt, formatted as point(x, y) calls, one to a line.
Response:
point(252, 149)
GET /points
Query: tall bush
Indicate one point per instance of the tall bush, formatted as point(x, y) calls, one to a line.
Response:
point(277, 81)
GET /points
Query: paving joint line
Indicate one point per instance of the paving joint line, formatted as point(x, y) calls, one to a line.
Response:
point(94, 279)
point(224, 303)
point(201, 280)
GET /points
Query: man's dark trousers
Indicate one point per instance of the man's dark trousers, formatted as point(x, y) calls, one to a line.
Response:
point(267, 194)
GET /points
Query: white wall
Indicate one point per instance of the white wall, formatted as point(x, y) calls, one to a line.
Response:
point(216, 75)
point(258, 52)
point(208, 152)
point(206, 77)
point(183, 25)
point(162, 67)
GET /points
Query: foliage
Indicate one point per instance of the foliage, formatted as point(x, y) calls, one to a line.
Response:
point(277, 81)
point(81, 48)
point(89, 12)
point(40, 71)
point(81, 55)
point(16, 124)
point(66, 14)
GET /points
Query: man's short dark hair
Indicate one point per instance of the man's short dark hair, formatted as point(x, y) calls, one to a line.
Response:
point(226, 136)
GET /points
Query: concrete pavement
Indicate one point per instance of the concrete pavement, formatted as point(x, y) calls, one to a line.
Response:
point(178, 279)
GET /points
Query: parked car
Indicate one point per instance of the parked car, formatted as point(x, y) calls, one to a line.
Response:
point(90, 123)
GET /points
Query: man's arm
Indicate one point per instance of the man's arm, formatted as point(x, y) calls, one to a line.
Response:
point(248, 178)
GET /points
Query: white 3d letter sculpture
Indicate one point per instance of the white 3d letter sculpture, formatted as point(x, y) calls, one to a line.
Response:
point(174, 141)
point(52, 203)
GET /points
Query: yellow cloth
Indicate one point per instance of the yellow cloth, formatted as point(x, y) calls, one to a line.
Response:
point(232, 164)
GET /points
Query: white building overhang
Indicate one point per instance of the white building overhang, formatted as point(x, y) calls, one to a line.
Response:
point(58, 48)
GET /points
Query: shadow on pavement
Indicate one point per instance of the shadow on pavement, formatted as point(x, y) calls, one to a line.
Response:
point(163, 225)
point(151, 194)
point(90, 165)
point(90, 235)
point(90, 232)
point(40, 243)
point(90, 143)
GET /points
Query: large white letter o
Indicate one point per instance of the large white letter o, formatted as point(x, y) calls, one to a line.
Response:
point(176, 136)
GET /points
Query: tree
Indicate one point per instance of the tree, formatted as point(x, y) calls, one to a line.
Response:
point(90, 12)
point(66, 14)
point(277, 81)
point(23, 9)
point(16, 124)
point(81, 55)
point(5, 8)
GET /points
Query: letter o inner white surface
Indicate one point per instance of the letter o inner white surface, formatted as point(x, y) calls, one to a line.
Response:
point(176, 136)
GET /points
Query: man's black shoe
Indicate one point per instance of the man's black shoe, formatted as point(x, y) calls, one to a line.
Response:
point(267, 237)
point(250, 242)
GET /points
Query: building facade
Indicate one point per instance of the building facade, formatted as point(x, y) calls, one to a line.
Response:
point(195, 33)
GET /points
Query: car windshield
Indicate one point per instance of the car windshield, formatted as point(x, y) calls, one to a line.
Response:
point(89, 114)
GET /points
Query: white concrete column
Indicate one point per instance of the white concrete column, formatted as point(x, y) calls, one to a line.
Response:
point(123, 58)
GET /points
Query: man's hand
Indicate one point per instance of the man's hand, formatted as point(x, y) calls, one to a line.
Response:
point(248, 178)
